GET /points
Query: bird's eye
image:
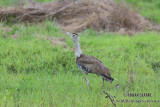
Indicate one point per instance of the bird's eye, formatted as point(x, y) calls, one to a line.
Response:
point(74, 34)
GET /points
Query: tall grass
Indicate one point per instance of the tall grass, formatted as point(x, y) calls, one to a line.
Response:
point(33, 72)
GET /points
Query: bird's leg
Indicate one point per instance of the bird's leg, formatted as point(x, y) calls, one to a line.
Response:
point(103, 87)
point(103, 84)
point(87, 80)
point(109, 86)
point(108, 95)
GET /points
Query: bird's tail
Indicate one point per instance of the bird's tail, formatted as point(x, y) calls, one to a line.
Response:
point(110, 79)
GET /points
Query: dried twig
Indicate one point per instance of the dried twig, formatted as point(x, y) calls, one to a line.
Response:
point(110, 97)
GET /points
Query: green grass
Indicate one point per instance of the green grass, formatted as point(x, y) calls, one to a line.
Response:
point(14, 2)
point(33, 72)
point(8, 2)
point(147, 8)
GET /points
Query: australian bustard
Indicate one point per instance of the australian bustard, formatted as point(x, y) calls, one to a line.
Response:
point(89, 64)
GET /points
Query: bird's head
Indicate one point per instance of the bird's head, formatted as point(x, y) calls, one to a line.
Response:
point(73, 36)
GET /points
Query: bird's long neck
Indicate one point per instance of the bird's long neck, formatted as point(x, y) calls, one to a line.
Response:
point(78, 51)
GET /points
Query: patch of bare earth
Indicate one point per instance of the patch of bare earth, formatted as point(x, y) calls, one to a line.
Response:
point(4, 29)
point(56, 41)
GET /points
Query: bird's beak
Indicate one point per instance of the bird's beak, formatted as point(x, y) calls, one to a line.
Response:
point(69, 34)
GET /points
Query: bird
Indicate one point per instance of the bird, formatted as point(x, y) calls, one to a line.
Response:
point(89, 64)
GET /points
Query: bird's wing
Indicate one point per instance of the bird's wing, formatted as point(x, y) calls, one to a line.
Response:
point(93, 64)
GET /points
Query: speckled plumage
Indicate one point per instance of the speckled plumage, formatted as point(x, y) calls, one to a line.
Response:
point(90, 64)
